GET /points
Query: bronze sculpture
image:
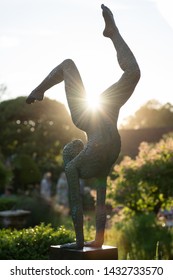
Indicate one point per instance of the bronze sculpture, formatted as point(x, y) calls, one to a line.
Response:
point(95, 159)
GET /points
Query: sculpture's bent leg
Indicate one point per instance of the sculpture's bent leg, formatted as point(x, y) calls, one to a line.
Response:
point(100, 213)
point(75, 91)
point(71, 150)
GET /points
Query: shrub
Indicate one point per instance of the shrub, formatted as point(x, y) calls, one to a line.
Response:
point(140, 235)
point(145, 184)
point(31, 243)
point(25, 171)
point(5, 176)
point(7, 203)
point(40, 210)
point(88, 201)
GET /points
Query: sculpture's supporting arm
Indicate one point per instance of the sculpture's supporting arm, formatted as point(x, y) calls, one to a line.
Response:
point(100, 213)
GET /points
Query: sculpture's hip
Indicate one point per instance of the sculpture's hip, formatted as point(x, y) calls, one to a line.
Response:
point(98, 156)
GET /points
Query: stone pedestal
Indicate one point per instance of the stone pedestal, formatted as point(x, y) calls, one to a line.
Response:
point(87, 253)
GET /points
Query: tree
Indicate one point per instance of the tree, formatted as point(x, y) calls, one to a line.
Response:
point(5, 176)
point(145, 184)
point(25, 170)
point(151, 114)
point(38, 131)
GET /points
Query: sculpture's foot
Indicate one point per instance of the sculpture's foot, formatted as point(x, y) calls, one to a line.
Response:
point(94, 243)
point(110, 26)
point(73, 245)
point(35, 95)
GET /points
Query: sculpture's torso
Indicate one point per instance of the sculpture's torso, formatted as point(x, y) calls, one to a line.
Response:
point(103, 146)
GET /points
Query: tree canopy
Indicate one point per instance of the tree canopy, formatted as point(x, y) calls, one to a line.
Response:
point(38, 131)
point(151, 114)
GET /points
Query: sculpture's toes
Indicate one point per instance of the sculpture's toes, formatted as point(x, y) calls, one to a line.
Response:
point(109, 22)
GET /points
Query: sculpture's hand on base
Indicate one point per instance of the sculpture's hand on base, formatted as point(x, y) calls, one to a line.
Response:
point(73, 245)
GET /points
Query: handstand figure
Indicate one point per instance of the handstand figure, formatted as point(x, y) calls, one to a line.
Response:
point(95, 159)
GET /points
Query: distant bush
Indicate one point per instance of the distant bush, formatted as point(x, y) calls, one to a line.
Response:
point(88, 200)
point(31, 243)
point(25, 172)
point(41, 212)
point(7, 203)
point(138, 236)
point(5, 177)
point(145, 184)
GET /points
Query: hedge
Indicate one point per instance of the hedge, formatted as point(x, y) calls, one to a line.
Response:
point(31, 243)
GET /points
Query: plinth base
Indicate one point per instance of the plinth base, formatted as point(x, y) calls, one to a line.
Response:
point(87, 253)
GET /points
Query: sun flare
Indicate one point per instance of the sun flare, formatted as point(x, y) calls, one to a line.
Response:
point(93, 102)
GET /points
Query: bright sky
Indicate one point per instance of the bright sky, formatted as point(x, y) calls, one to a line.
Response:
point(37, 35)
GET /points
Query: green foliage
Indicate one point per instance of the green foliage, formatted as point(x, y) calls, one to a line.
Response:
point(139, 238)
point(8, 203)
point(88, 202)
point(151, 114)
point(25, 171)
point(145, 184)
point(5, 176)
point(31, 243)
point(42, 124)
point(38, 131)
point(40, 210)
point(3, 90)
point(157, 257)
